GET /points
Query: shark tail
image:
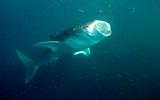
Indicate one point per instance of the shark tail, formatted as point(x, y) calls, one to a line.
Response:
point(30, 65)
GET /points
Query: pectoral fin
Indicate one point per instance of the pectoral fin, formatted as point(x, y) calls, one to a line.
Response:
point(53, 45)
point(86, 52)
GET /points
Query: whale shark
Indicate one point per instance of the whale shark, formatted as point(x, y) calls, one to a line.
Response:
point(76, 40)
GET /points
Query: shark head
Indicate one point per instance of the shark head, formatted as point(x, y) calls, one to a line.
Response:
point(99, 28)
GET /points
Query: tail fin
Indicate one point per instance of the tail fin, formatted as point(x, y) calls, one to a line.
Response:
point(29, 64)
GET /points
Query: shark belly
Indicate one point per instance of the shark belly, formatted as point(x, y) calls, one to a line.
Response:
point(79, 41)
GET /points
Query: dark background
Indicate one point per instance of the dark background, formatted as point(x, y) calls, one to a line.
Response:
point(125, 66)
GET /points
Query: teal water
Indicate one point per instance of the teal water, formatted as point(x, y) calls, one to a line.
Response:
point(124, 66)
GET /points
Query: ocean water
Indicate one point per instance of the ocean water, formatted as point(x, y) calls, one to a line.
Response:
point(125, 66)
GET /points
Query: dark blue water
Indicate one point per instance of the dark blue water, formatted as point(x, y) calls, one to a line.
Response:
point(125, 66)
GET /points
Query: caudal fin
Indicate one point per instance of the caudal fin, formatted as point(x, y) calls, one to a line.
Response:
point(31, 67)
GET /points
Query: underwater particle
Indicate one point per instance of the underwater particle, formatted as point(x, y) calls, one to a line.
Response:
point(131, 80)
point(81, 11)
point(97, 74)
point(122, 93)
point(100, 11)
point(132, 10)
point(119, 75)
point(144, 76)
point(82, 90)
point(93, 67)
point(57, 3)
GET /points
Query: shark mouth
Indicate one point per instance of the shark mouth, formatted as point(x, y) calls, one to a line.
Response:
point(100, 26)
